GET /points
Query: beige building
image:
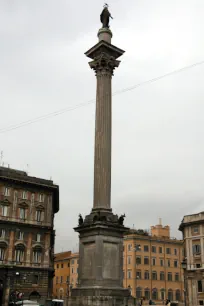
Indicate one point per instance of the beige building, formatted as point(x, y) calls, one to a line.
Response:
point(152, 264)
point(192, 227)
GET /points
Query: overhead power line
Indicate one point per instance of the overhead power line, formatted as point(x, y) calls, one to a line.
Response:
point(68, 109)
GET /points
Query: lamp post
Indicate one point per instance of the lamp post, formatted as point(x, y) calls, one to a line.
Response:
point(184, 267)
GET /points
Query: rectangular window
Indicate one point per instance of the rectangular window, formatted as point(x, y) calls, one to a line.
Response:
point(2, 251)
point(41, 197)
point(138, 260)
point(19, 256)
point(196, 230)
point(57, 266)
point(7, 191)
point(146, 248)
point(68, 264)
point(154, 275)
point(38, 237)
point(4, 210)
point(169, 276)
point(138, 274)
point(129, 274)
point(175, 263)
point(168, 263)
point(24, 195)
point(61, 279)
point(160, 250)
point(162, 276)
point(2, 233)
point(154, 261)
point(168, 251)
point(129, 247)
point(175, 252)
point(146, 260)
point(146, 275)
point(62, 266)
point(198, 266)
point(161, 262)
point(20, 235)
point(38, 215)
point(72, 262)
point(22, 213)
point(154, 249)
point(37, 255)
point(129, 260)
point(35, 279)
point(67, 279)
point(72, 270)
point(200, 286)
point(196, 249)
point(177, 277)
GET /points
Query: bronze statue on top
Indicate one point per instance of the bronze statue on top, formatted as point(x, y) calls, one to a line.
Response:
point(105, 16)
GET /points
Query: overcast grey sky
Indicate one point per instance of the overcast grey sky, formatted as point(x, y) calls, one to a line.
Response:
point(158, 150)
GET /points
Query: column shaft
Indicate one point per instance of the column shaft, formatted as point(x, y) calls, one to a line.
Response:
point(102, 163)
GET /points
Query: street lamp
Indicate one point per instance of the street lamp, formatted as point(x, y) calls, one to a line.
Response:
point(184, 267)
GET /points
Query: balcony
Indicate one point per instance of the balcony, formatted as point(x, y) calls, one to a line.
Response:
point(24, 264)
point(25, 221)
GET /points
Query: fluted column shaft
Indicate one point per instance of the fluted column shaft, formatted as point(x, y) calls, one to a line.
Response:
point(102, 162)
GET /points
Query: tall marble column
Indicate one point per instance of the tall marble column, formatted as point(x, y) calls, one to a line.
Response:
point(104, 62)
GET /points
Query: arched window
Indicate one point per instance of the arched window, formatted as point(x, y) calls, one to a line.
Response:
point(20, 253)
point(147, 293)
point(170, 294)
point(138, 292)
point(162, 291)
point(154, 294)
point(178, 295)
point(37, 254)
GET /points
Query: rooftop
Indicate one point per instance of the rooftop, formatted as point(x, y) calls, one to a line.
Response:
point(192, 219)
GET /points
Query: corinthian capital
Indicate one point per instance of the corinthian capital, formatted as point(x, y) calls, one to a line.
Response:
point(104, 63)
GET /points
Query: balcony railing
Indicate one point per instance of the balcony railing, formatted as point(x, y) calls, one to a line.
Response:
point(24, 264)
point(25, 221)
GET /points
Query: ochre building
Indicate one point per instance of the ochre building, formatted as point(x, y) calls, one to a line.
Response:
point(66, 274)
point(152, 264)
point(27, 208)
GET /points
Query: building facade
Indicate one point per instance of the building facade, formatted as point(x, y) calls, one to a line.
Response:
point(27, 208)
point(192, 227)
point(66, 274)
point(152, 264)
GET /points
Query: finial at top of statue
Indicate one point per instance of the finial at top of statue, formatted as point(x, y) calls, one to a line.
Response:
point(105, 16)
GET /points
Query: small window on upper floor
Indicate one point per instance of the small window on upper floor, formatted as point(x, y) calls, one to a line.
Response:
point(41, 197)
point(7, 191)
point(57, 266)
point(2, 233)
point(154, 249)
point(196, 249)
point(20, 235)
point(168, 251)
point(4, 210)
point(38, 237)
point(24, 195)
point(72, 262)
point(129, 247)
point(175, 252)
point(196, 230)
point(62, 266)
point(68, 265)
